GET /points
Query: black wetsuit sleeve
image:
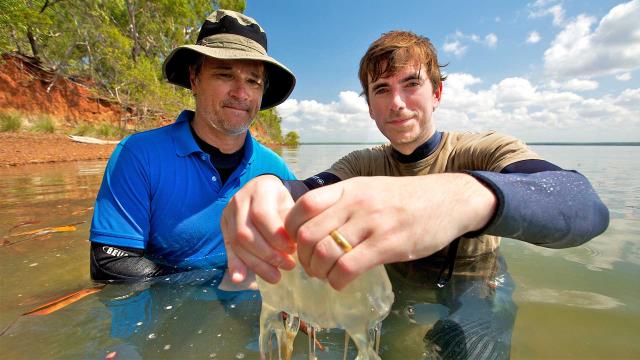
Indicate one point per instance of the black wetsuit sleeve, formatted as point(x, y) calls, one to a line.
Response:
point(110, 263)
point(542, 204)
point(298, 188)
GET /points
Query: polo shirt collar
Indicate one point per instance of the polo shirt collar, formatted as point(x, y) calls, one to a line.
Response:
point(186, 144)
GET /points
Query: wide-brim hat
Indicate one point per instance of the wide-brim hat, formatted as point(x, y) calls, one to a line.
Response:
point(229, 35)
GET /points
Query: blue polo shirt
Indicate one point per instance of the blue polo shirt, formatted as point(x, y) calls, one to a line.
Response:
point(161, 193)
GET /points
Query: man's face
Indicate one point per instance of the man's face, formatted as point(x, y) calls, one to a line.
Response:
point(228, 93)
point(402, 106)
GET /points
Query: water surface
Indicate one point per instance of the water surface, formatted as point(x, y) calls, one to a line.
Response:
point(572, 303)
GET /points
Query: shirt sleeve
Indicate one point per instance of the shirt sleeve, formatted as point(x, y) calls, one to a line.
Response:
point(122, 211)
point(490, 151)
point(555, 209)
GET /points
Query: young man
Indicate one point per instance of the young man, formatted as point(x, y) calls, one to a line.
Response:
point(163, 192)
point(427, 194)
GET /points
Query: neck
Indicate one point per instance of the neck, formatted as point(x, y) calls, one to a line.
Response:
point(224, 142)
point(409, 148)
point(421, 152)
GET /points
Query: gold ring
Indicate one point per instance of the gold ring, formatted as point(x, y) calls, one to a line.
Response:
point(341, 241)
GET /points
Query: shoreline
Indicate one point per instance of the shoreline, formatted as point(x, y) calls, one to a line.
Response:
point(25, 148)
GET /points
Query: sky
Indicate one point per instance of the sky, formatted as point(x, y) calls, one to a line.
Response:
point(545, 70)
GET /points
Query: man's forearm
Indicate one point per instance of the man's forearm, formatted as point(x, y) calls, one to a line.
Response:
point(110, 263)
point(555, 209)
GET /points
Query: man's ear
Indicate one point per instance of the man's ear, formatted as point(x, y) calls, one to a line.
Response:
point(437, 95)
point(193, 80)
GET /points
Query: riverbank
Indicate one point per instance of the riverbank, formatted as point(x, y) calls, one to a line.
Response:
point(21, 148)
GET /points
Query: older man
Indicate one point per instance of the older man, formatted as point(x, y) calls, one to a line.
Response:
point(163, 192)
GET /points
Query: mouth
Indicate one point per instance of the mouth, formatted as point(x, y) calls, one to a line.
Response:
point(400, 121)
point(236, 106)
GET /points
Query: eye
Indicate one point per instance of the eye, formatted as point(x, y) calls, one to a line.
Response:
point(380, 90)
point(224, 76)
point(256, 83)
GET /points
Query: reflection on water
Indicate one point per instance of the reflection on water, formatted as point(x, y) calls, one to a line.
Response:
point(572, 303)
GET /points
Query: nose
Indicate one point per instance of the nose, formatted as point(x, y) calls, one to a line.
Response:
point(239, 90)
point(397, 101)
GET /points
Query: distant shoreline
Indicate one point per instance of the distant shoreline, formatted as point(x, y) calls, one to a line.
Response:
point(630, 143)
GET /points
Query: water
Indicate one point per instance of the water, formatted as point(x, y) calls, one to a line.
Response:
point(572, 303)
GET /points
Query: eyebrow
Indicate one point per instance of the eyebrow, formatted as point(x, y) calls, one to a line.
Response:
point(414, 76)
point(383, 83)
point(230, 68)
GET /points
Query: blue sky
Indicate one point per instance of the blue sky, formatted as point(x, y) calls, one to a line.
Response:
point(545, 70)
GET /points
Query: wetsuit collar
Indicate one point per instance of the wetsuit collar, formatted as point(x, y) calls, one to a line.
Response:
point(421, 152)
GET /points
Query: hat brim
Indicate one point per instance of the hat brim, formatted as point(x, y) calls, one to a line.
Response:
point(281, 80)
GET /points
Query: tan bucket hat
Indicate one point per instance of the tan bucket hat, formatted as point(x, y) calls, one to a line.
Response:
point(229, 35)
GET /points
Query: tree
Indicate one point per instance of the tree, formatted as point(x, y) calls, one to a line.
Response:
point(119, 45)
point(292, 139)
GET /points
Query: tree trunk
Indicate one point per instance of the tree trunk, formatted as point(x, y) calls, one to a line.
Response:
point(133, 29)
point(34, 44)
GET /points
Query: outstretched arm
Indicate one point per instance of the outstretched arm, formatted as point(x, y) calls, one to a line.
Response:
point(544, 205)
point(399, 219)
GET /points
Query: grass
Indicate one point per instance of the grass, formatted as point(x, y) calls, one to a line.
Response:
point(108, 131)
point(10, 122)
point(84, 129)
point(44, 124)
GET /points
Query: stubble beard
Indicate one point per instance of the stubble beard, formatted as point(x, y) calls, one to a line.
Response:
point(226, 127)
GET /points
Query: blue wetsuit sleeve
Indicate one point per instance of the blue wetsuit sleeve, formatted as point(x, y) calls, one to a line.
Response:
point(297, 188)
point(544, 205)
point(121, 215)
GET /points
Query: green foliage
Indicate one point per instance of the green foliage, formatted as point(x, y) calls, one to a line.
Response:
point(10, 121)
point(109, 131)
point(292, 139)
point(235, 5)
point(118, 44)
point(44, 124)
point(84, 129)
point(269, 121)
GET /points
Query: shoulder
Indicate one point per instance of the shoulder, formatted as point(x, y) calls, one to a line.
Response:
point(369, 154)
point(266, 160)
point(157, 137)
point(362, 162)
point(487, 138)
point(488, 150)
point(263, 154)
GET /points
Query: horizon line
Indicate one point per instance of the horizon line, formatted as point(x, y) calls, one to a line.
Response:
point(577, 143)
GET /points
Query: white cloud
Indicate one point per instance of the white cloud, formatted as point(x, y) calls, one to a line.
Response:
point(455, 47)
point(515, 105)
point(345, 120)
point(491, 40)
point(457, 43)
point(533, 37)
point(575, 85)
point(539, 9)
point(624, 76)
point(612, 48)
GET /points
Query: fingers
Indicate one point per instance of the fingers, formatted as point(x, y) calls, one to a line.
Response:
point(266, 213)
point(253, 230)
point(349, 266)
point(261, 268)
point(311, 220)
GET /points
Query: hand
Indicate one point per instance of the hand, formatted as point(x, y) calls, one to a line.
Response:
point(386, 220)
point(253, 230)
